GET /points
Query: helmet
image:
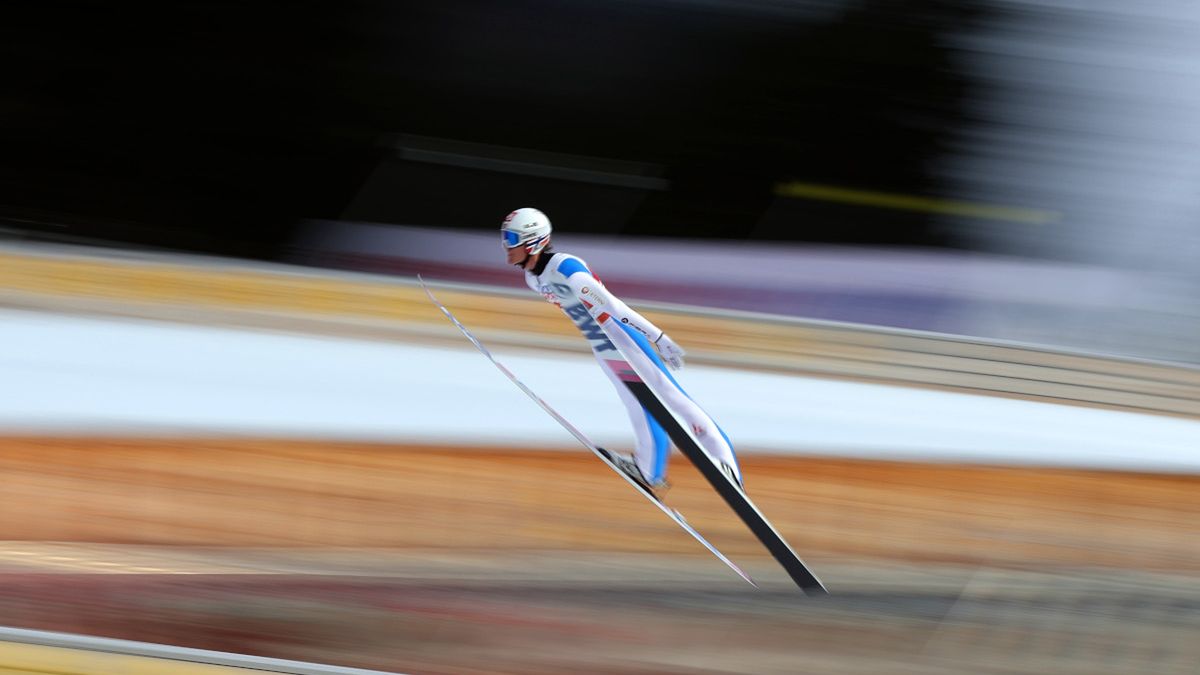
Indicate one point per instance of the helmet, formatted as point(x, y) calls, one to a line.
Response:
point(528, 227)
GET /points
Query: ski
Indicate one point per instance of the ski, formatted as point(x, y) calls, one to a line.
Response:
point(732, 493)
point(671, 513)
point(725, 485)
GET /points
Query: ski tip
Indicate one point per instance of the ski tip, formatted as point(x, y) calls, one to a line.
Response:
point(428, 291)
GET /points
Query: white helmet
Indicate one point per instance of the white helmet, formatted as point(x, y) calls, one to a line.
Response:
point(528, 227)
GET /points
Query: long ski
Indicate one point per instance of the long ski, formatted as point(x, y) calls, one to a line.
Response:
point(731, 492)
point(729, 489)
point(579, 436)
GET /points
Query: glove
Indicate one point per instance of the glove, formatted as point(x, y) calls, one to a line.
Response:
point(670, 352)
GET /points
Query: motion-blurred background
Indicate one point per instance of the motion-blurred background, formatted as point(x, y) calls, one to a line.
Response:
point(935, 264)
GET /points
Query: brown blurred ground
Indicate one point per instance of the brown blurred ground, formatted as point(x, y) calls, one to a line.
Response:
point(458, 560)
point(311, 493)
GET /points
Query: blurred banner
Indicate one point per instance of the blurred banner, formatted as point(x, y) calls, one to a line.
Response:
point(1082, 306)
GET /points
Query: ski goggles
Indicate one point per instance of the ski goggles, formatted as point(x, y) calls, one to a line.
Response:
point(511, 239)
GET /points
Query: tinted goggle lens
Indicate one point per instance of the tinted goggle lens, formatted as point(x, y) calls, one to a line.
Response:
point(511, 239)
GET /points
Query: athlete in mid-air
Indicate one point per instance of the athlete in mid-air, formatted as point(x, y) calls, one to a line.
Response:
point(618, 336)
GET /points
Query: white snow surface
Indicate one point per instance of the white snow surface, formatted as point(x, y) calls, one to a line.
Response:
point(75, 375)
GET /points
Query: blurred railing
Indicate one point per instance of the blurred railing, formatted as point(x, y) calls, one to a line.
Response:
point(219, 291)
point(33, 651)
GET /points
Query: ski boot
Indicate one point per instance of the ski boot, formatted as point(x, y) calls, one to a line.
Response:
point(630, 468)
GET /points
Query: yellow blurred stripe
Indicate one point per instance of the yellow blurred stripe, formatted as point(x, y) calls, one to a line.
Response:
point(230, 288)
point(24, 659)
point(213, 286)
point(890, 200)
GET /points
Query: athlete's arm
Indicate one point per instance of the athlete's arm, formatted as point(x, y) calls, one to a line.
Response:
point(598, 300)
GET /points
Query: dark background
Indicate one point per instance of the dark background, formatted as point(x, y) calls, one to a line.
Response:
point(221, 126)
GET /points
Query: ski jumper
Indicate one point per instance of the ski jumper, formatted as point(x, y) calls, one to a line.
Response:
point(621, 339)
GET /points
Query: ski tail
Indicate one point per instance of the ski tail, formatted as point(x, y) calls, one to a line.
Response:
point(733, 494)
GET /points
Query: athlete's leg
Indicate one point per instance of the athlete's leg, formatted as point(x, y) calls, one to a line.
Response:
point(711, 438)
point(651, 444)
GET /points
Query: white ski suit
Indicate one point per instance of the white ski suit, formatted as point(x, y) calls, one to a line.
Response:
point(621, 340)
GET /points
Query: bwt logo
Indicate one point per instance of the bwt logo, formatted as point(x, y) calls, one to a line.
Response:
point(590, 329)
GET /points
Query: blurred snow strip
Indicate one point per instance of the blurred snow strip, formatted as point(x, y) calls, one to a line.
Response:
point(75, 375)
